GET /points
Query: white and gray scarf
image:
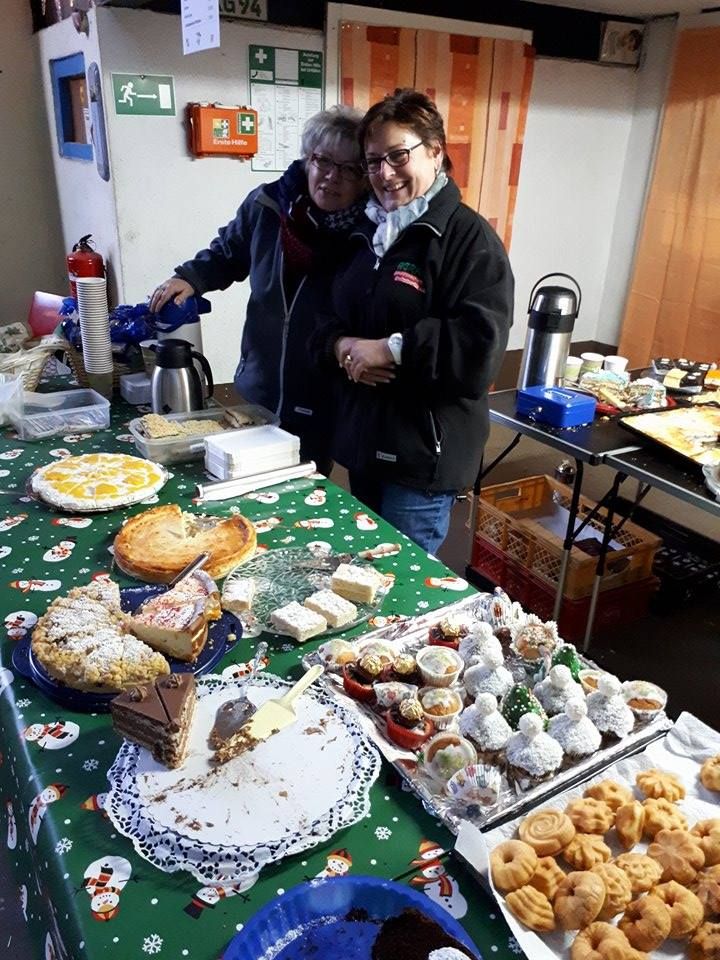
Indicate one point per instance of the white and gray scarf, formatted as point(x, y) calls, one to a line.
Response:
point(390, 224)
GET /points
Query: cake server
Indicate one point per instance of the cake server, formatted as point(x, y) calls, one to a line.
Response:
point(274, 715)
point(195, 564)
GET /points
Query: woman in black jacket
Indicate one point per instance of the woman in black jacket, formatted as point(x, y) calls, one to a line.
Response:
point(421, 320)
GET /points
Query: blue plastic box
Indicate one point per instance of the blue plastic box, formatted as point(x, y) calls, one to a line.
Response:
point(556, 406)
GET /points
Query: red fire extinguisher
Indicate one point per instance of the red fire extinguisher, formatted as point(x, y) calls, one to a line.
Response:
point(84, 262)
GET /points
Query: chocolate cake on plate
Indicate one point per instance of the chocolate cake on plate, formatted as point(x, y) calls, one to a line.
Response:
point(158, 716)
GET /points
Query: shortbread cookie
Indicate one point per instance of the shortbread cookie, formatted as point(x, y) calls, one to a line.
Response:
point(705, 944)
point(579, 899)
point(547, 877)
point(602, 941)
point(618, 890)
point(336, 609)
point(657, 783)
point(512, 864)
point(709, 833)
point(706, 888)
point(356, 583)
point(686, 911)
point(642, 871)
point(646, 923)
point(547, 831)
point(629, 822)
point(531, 908)
point(710, 773)
point(679, 854)
point(585, 850)
point(613, 793)
point(297, 621)
point(662, 815)
point(590, 815)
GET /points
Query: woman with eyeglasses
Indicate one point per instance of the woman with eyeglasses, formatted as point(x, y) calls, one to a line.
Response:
point(288, 237)
point(421, 316)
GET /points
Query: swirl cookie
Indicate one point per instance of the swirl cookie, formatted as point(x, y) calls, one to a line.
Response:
point(531, 908)
point(705, 944)
point(612, 793)
point(662, 815)
point(686, 911)
point(585, 850)
point(590, 815)
point(710, 773)
point(706, 888)
point(547, 831)
point(657, 783)
point(709, 833)
point(618, 890)
point(679, 854)
point(512, 864)
point(579, 899)
point(646, 923)
point(547, 877)
point(642, 871)
point(601, 941)
point(629, 823)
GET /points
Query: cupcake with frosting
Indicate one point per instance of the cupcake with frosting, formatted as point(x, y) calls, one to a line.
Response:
point(532, 755)
point(489, 675)
point(608, 710)
point(534, 637)
point(575, 731)
point(476, 644)
point(557, 690)
point(484, 725)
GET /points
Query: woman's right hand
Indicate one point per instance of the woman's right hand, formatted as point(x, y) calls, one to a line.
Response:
point(175, 289)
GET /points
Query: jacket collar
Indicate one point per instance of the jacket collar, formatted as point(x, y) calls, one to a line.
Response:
point(281, 193)
point(442, 206)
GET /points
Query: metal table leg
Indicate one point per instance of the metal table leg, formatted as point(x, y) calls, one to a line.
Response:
point(600, 568)
point(569, 537)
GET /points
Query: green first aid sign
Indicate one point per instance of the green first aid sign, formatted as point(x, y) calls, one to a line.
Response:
point(143, 95)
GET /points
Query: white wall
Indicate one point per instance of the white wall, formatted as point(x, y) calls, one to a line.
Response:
point(30, 232)
point(87, 204)
point(168, 204)
point(578, 128)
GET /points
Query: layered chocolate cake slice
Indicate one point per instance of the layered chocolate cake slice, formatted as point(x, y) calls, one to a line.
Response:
point(413, 936)
point(158, 716)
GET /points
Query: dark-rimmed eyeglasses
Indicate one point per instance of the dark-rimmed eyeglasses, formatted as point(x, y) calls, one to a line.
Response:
point(395, 158)
point(347, 171)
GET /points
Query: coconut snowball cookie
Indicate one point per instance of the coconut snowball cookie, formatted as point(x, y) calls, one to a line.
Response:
point(607, 708)
point(488, 675)
point(574, 730)
point(531, 752)
point(557, 690)
point(477, 643)
point(483, 723)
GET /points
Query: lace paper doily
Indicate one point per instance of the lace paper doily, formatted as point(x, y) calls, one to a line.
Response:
point(301, 786)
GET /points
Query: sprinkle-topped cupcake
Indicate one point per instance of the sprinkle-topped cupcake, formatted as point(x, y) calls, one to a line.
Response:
point(488, 676)
point(608, 710)
point(557, 689)
point(575, 731)
point(486, 727)
point(530, 639)
point(518, 701)
point(532, 755)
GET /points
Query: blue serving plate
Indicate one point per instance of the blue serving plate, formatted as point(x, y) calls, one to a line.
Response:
point(316, 913)
point(130, 599)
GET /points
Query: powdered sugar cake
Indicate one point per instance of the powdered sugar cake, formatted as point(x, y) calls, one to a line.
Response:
point(155, 545)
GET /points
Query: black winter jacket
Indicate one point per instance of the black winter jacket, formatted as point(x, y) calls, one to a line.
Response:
point(447, 286)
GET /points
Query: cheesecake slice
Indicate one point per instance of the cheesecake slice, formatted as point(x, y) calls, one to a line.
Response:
point(173, 624)
point(158, 716)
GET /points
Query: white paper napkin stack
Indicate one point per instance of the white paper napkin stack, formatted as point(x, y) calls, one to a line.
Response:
point(241, 453)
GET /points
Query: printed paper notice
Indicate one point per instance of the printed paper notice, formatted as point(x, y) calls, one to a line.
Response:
point(200, 25)
point(285, 89)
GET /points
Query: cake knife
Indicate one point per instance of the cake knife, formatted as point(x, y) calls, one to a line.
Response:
point(274, 715)
point(195, 564)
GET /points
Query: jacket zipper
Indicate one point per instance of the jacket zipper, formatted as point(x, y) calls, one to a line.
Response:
point(286, 329)
point(436, 438)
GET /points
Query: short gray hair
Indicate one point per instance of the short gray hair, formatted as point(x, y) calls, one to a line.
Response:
point(329, 128)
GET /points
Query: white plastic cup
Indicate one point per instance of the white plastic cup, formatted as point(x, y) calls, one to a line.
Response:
point(572, 368)
point(615, 364)
point(591, 362)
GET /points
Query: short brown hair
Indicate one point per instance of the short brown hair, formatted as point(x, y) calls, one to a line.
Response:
point(409, 108)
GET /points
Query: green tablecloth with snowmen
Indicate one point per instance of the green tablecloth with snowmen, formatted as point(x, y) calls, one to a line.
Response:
point(83, 890)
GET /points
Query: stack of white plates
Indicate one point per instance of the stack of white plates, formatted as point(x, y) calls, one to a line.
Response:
point(242, 453)
point(94, 324)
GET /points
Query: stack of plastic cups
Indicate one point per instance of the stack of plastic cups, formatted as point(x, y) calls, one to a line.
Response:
point(95, 332)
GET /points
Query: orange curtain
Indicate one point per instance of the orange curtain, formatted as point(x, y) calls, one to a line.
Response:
point(673, 309)
point(480, 85)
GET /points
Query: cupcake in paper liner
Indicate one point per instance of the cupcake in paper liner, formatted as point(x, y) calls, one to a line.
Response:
point(474, 790)
point(532, 639)
point(484, 725)
point(488, 676)
point(445, 754)
point(575, 731)
point(608, 710)
point(557, 689)
point(533, 756)
point(478, 642)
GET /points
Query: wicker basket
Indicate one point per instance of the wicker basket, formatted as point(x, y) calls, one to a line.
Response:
point(75, 362)
point(30, 362)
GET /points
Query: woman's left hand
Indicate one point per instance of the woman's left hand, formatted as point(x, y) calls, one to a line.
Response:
point(371, 358)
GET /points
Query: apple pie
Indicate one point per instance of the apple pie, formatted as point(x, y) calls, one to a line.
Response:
point(155, 545)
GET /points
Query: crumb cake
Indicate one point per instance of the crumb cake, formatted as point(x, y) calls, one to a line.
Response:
point(84, 641)
point(158, 716)
point(359, 584)
point(97, 481)
point(336, 609)
point(298, 621)
point(238, 594)
point(155, 545)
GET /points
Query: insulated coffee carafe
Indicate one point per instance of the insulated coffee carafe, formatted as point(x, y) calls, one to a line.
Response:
point(551, 317)
point(175, 386)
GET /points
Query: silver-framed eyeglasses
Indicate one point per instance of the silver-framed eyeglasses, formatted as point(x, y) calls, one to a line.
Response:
point(395, 159)
point(347, 171)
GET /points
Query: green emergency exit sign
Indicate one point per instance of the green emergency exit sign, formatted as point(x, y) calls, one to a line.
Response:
point(143, 95)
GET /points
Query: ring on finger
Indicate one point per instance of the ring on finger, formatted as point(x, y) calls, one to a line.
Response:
point(348, 359)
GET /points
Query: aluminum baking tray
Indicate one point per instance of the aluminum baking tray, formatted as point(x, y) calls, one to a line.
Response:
point(409, 636)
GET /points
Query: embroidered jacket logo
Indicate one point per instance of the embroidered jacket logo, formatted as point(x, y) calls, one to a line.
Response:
point(410, 274)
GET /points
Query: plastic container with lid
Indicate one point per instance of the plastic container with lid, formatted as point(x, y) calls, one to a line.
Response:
point(66, 411)
point(185, 449)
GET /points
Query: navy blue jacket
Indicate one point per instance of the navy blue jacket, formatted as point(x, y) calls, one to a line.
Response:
point(447, 286)
point(274, 369)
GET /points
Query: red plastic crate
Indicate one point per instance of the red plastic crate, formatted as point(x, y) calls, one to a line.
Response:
point(615, 606)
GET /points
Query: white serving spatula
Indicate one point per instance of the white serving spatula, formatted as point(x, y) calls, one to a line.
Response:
point(274, 715)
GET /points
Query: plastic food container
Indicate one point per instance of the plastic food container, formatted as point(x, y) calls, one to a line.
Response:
point(11, 396)
point(185, 449)
point(67, 411)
